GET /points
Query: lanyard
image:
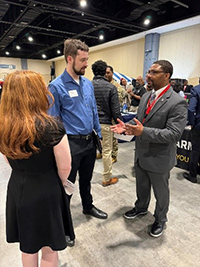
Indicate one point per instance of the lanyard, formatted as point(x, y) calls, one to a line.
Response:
point(150, 106)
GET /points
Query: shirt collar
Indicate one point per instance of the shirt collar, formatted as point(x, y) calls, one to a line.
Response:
point(159, 90)
point(68, 78)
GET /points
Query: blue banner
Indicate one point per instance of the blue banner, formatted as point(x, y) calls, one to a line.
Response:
point(7, 66)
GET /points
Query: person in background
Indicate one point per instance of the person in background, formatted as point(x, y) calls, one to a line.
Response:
point(37, 149)
point(178, 89)
point(186, 88)
point(108, 108)
point(172, 83)
point(121, 91)
point(136, 93)
point(160, 121)
point(194, 121)
point(75, 106)
point(127, 99)
point(121, 94)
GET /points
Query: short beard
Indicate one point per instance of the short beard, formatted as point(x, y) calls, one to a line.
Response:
point(78, 72)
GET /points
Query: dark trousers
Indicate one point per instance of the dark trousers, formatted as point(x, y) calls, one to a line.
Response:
point(195, 153)
point(159, 182)
point(83, 158)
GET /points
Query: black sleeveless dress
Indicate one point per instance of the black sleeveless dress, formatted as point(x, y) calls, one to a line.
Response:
point(37, 208)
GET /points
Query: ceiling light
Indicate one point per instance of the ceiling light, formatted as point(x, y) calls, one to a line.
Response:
point(147, 20)
point(83, 3)
point(58, 52)
point(18, 47)
point(7, 53)
point(49, 25)
point(101, 35)
point(30, 39)
point(44, 56)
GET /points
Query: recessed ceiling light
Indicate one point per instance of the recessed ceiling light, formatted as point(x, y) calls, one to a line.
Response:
point(58, 51)
point(7, 53)
point(30, 39)
point(18, 47)
point(44, 56)
point(146, 21)
point(101, 37)
point(83, 3)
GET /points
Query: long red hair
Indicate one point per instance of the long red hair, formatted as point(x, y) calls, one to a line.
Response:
point(25, 99)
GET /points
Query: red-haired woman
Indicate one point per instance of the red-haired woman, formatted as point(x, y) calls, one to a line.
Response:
point(36, 147)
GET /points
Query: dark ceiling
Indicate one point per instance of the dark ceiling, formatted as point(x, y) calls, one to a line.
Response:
point(50, 22)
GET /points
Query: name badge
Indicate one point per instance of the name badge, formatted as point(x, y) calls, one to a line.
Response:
point(73, 93)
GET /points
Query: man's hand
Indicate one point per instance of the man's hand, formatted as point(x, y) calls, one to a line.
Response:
point(118, 128)
point(134, 129)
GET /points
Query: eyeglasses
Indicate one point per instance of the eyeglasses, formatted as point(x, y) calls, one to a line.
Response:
point(154, 72)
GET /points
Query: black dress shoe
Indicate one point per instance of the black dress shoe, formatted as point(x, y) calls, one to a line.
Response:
point(96, 213)
point(189, 177)
point(132, 214)
point(70, 243)
point(157, 229)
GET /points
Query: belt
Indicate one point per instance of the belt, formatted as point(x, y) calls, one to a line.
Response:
point(80, 137)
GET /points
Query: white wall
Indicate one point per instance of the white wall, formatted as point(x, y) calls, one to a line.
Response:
point(41, 66)
point(9, 61)
point(182, 49)
point(127, 58)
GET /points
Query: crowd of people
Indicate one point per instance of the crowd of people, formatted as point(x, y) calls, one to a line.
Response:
point(46, 135)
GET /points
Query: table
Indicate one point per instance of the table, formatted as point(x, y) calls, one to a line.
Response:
point(128, 116)
point(184, 147)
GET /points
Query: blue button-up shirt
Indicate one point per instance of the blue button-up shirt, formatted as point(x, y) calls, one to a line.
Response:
point(75, 104)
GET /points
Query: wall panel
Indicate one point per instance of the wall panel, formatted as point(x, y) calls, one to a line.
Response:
point(182, 48)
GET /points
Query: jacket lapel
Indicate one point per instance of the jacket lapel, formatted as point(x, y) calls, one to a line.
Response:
point(159, 103)
point(142, 108)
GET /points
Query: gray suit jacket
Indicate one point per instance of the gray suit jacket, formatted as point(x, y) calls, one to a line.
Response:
point(156, 147)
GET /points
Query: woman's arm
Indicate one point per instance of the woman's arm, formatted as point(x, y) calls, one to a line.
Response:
point(63, 158)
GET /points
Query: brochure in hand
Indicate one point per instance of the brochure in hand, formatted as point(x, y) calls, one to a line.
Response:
point(69, 187)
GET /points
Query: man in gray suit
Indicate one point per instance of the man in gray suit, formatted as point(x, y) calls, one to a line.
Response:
point(160, 121)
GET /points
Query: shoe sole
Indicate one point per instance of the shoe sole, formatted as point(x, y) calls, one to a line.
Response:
point(151, 234)
point(131, 218)
point(98, 217)
point(104, 185)
point(156, 235)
